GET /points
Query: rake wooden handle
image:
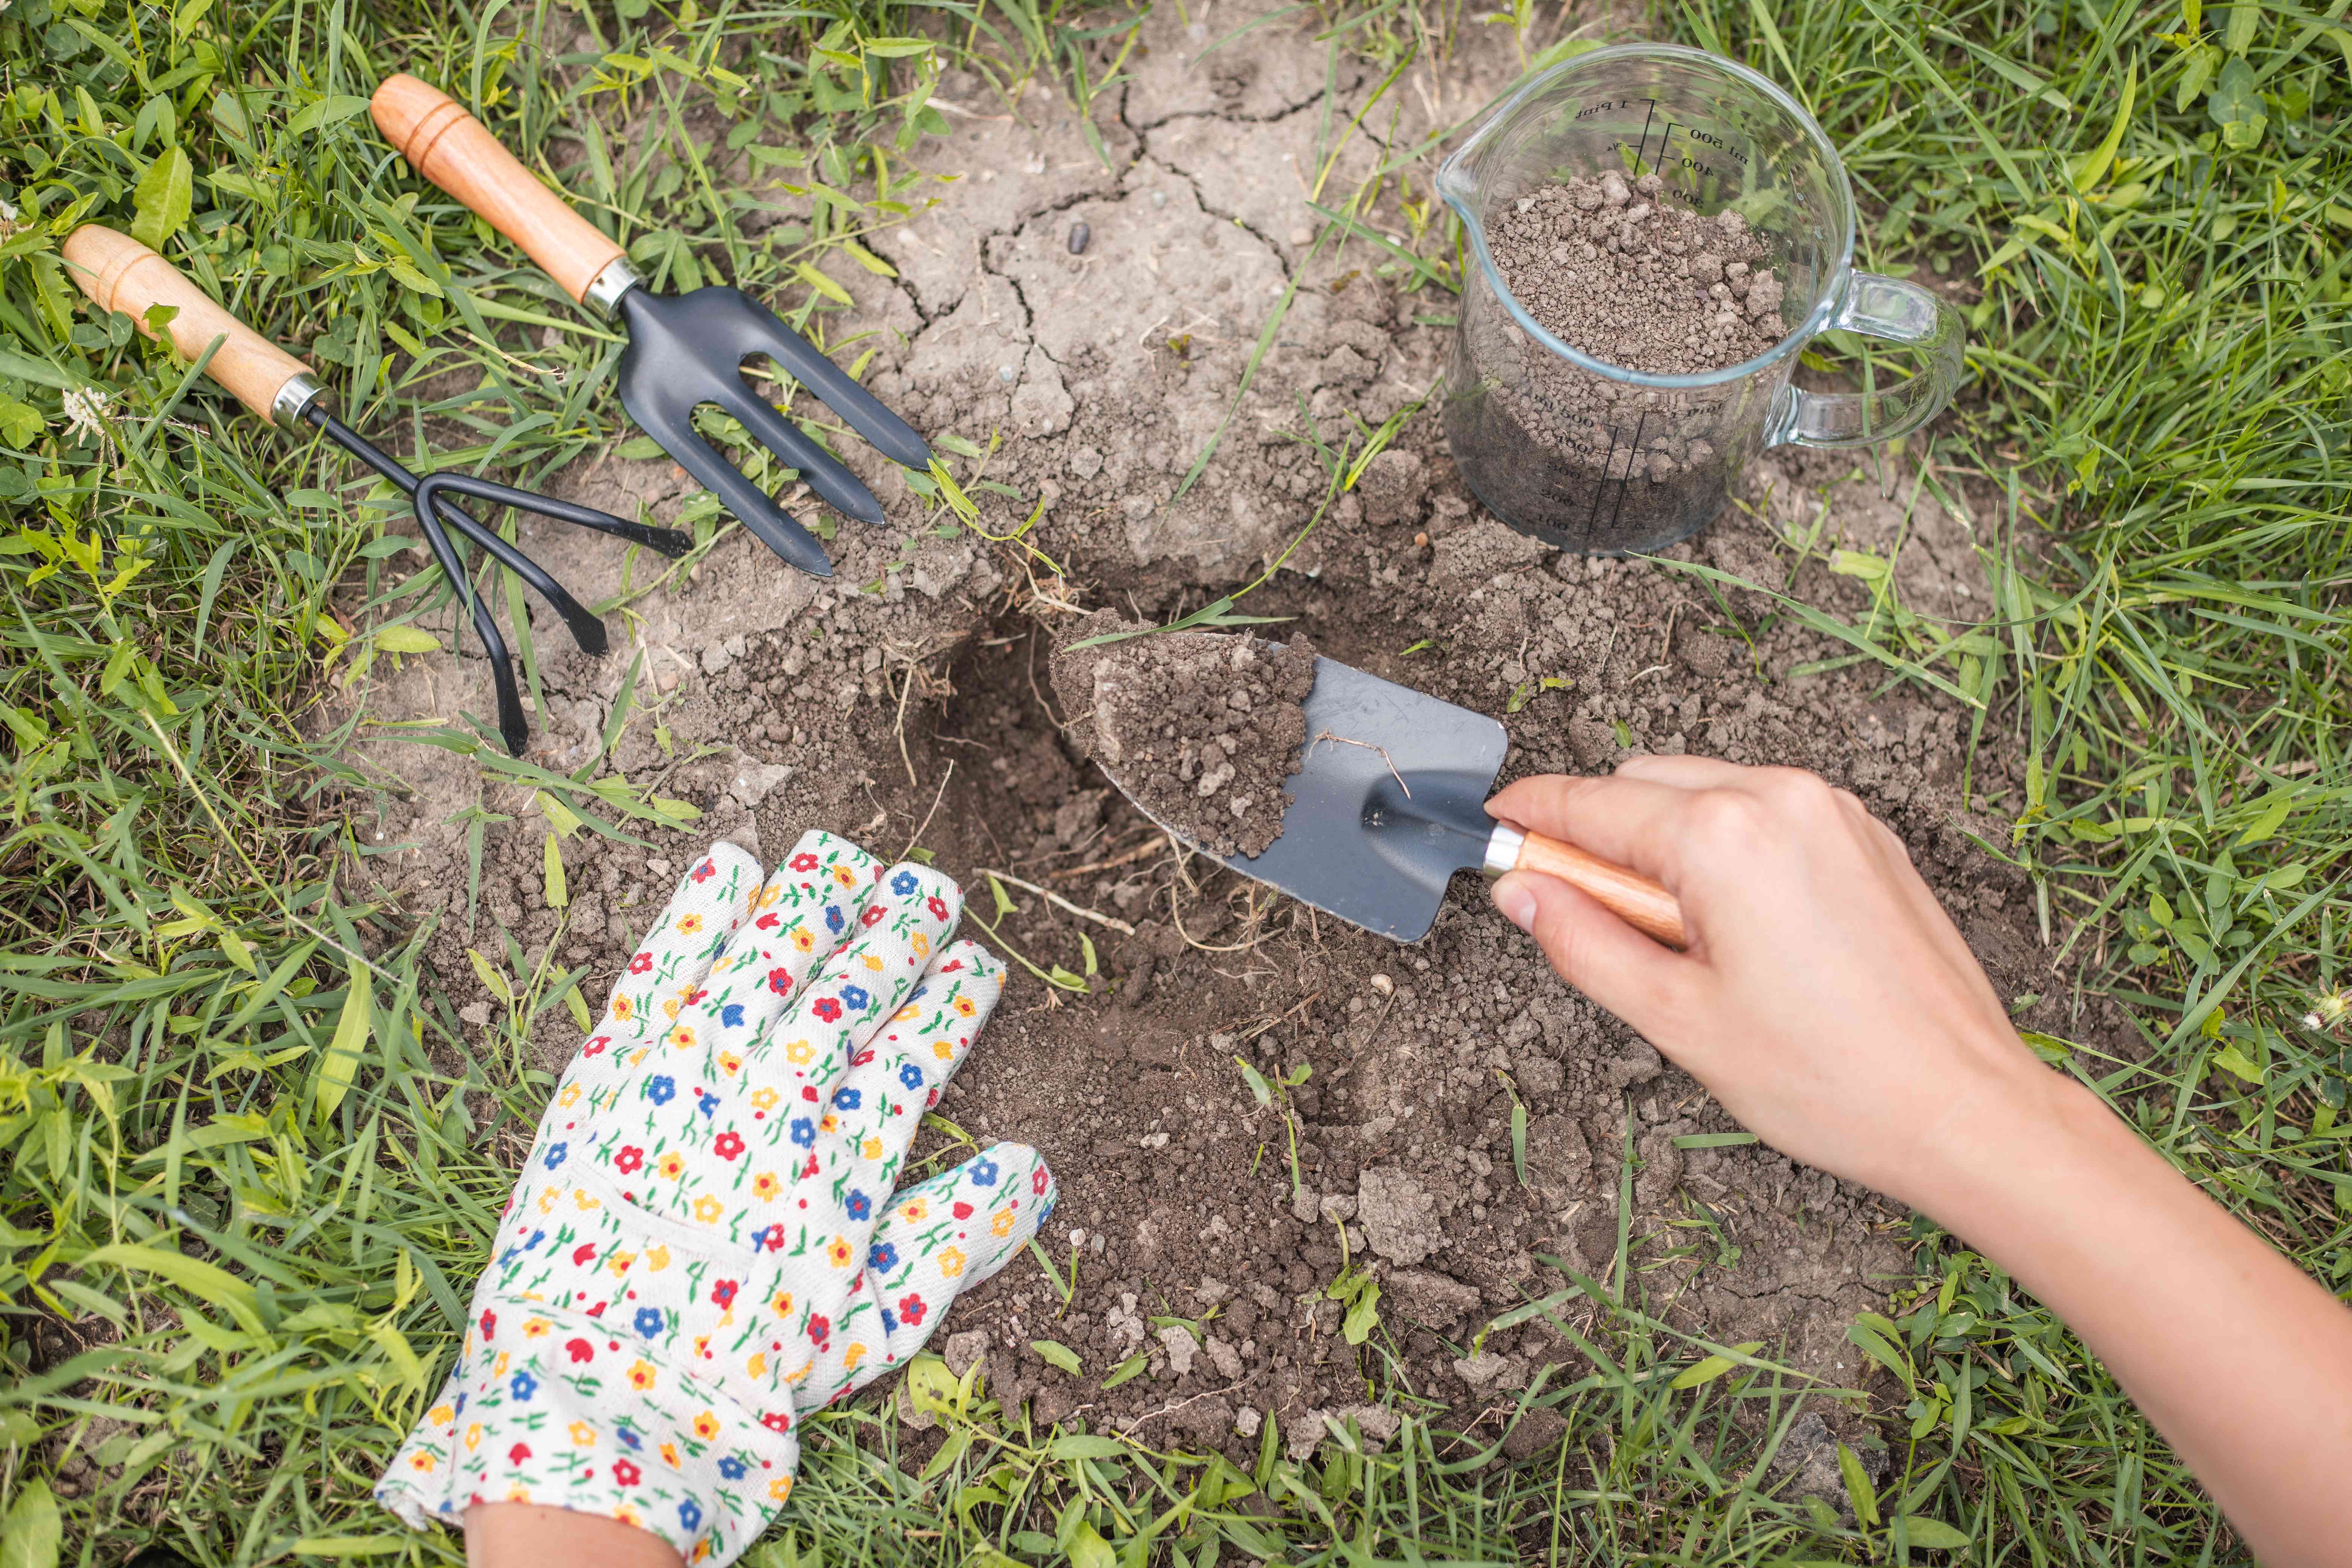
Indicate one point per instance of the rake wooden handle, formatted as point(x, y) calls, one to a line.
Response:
point(120, 274)
point(457, 152)
point(1633, 898)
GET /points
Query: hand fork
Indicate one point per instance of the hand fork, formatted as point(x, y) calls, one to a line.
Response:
point(683, 351)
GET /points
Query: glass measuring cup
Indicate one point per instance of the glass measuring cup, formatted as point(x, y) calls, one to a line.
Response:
point(1592, 457)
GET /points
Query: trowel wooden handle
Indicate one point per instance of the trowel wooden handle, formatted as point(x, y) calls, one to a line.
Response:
point(120, 274)
point(1627, 894)
point(457, 152)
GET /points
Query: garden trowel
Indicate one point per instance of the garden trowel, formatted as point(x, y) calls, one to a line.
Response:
point(683, 351)
point(1389, 801)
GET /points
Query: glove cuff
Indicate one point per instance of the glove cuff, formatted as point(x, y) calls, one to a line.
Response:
point(530, 1416)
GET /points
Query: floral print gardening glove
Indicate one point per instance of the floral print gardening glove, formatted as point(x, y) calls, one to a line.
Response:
point(704, 1242)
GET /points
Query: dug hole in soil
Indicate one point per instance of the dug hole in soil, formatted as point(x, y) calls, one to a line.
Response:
point(907, 701)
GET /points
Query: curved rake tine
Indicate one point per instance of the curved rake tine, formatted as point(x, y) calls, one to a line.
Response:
point(586, 629)
point(667, 541)
point(511, 728)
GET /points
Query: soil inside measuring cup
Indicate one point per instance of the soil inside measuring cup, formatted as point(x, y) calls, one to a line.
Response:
point(1201, 730)
point(1626, 272)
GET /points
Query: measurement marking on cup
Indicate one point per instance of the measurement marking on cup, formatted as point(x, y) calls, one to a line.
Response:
point(1588, 113)
point(1619, 509)
point(1601, 488)
point(1701, 169)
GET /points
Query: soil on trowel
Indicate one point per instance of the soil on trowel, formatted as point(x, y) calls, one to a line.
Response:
point(1201, 730)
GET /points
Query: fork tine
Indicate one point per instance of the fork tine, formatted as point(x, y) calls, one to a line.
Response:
point(841, 489)
point(775, 527)
point(891, 435)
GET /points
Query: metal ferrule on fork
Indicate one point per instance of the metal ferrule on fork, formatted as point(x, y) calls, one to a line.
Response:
point(602, 297)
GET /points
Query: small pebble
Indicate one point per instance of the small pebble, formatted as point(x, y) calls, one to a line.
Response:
point(1006, 373)
point(1383, 984)
point(1159, 198)
point(1079, 234)
point(1302, 236)
point(1420, 542)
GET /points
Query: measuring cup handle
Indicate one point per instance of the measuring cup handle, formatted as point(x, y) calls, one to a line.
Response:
point(1900, 312)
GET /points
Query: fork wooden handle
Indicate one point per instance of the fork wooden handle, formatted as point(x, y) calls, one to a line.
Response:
point(1645, 905)
point(120, 274)
point(457, 152)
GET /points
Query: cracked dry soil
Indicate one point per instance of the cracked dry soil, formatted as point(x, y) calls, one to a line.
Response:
point(906, 701)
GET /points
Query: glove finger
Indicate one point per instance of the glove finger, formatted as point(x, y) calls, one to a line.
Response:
point(706, 1132)
point(813, 903)
point(846, 1004)
point(940, 1236)
point(711, 900)
point(878, 1104)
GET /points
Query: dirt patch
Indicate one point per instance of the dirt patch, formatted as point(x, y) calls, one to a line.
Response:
point(1201, 730)
point(905, 703)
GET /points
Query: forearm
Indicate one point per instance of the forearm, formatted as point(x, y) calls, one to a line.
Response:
point(2240, 1360)
point(523, 1535)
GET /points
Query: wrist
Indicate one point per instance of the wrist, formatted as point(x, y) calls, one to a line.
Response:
point(555, 1408)
point(501, 1534)
point(2014, 1116)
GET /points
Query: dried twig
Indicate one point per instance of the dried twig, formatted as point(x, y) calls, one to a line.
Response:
point(1255, 923)
point(1383, 750)
point(904, 692)
point(1151, 846)
point(1060, 903)
point(935, 796)
point(1135, 1426)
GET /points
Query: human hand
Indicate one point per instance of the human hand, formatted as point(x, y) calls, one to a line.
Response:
point(704, 1241)
point(1825, 998)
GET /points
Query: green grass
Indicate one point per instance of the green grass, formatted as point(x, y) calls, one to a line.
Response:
point(246, 1188)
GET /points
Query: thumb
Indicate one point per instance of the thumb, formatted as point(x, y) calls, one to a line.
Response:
point(939, 1238)
point(1594, 951)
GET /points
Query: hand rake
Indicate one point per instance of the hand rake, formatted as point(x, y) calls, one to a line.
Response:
point(120, 274)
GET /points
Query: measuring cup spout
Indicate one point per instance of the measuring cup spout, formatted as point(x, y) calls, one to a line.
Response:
point(1457, 181)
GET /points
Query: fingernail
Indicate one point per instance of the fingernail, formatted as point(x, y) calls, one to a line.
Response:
point(1518, 902)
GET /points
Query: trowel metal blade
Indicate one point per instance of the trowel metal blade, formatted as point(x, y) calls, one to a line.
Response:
point(1376, 829)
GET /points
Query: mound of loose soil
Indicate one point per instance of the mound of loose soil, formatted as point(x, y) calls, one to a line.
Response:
point(1201, 729)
